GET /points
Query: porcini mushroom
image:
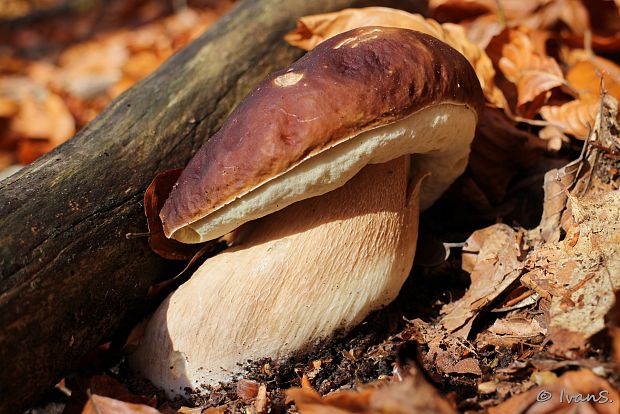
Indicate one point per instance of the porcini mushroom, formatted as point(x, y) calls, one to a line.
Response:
point(333, 236)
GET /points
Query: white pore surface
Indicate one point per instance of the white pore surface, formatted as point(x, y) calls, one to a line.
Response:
point(296, 277)
point(441, 134)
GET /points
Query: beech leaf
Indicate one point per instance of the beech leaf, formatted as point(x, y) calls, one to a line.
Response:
point(98, 404)
point(532, 73)
point(312, 30)
point(154, 199)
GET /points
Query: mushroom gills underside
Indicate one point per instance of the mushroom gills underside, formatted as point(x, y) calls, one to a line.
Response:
point(443, 151)
point(294, 278)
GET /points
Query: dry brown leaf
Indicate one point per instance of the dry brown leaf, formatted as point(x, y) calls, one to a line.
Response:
point(459, 10)
point(570, 12)
point(41, 114)
point(586, 71)
point(90, 69)
point(447, 353)
point(98, 404)
point(533, 74)
point(481, 30)
point(575, 118)
point(49, 101)
point(411, 396)
point(312, 30)
point(199, 410)
point(492, 255)
point(154, 198)
point(216, 410)
point(600, 42)
point(554, 136)
point(261, 404)
point(556, 184)
point(466, 366)
point(518, 327)
point(588, 393)
point(589, 272)
point(247, 389)
point(580, 274)
point(614, 328)
point(535, 14)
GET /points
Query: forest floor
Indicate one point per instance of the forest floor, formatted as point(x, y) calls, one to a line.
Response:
point(512, 298)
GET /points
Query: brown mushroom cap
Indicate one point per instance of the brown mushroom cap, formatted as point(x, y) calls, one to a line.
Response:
point(355, 82)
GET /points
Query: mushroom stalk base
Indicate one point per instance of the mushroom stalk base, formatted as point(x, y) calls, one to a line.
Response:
point(297, 276)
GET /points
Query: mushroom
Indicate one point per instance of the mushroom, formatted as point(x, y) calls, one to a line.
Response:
point(318, 170)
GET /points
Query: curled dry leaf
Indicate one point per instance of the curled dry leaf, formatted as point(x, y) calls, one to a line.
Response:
point(458, 10)
point(411, 396)
point(154, 198)
point(586, 71)
point(247, 389)
point(37, 115)
point(535, 14)
point(82, 386)
point(575, 118)
point(581, 273)
point(601, 43)
point(216, 410)
point(98, 404)
point(518, 327)
point(91, 68)
point(588, 393)
point(492, 256)
point(556, 184)
point(312, 30)
point(614, 328)
point(533, 74)
point(483, 29)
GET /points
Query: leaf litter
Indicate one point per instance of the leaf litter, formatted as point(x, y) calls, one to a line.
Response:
point(527, 301)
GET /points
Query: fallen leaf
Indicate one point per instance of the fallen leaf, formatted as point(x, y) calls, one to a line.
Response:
point(492, 254)
point(154, 199)
point(588, 393)
point(519, 327)
point(614, 327)
point(91, 68)
point(247, 389)
point(197, 410)
point(42, 115)
point(98, 404)
point(575, 118)
point(533, 74)
point(460, 10)
point(535, 14)
point(483, 29)
point(588, 274)
point(411, 396)
point(261, 404)
point(312, 30)
point(556, 184)
point(586, 71)
point(600, 42)
point(466, 366)
point(216, 410)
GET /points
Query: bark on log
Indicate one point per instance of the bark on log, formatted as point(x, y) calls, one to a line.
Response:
point(69, 277)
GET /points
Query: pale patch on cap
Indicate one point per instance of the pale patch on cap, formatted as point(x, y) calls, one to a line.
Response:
point(288, 79)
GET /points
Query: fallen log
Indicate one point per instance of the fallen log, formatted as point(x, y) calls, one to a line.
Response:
point(69, 278)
